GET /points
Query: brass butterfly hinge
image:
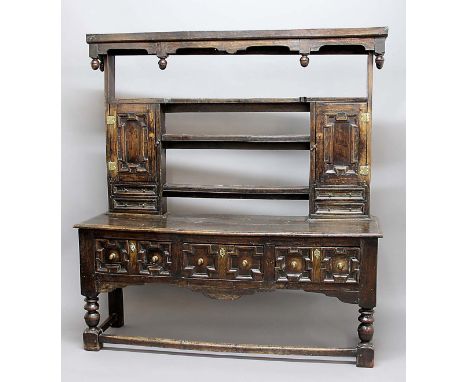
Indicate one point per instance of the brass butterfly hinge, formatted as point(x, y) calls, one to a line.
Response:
point(365, 117)
point(110, 119)
point(364, 170)
point(112, 166)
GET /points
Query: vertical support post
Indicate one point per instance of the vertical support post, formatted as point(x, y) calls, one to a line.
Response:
point(367, 302)
point(160, 127)
point(109, 78)
point(313, 150)
point(92, 317)
point(116, 307)
point(370, 84)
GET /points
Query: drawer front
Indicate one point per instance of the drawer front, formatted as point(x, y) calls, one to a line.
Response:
point(340, 193)
point(134, 204)
point(223, 261)
point(136, 257)
point(339, 208)
point(135, 190)
point(317, 264)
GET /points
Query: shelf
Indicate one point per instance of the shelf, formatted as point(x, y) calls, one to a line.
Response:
point(235, 192)
point(244, 142)
point(296, 41)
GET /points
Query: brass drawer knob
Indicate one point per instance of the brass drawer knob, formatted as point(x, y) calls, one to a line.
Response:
point(340, 265)
point(200, 261)
point(155, 259)
point(245, 263)
point(112, 256)
point(294, 264)
point(132, 247)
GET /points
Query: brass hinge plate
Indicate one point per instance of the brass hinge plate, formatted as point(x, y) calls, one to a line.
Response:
point(110, 119)
point(112, 166)
point(364, 170)
point(365, 117)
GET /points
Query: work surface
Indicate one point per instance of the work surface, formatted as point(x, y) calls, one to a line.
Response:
point(242, 225)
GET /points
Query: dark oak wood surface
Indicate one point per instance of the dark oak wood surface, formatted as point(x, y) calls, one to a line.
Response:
point(332, 250)
point(230, 35)
point(242, 225)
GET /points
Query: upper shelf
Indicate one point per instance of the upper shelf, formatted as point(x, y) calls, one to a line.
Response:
point(295, 41)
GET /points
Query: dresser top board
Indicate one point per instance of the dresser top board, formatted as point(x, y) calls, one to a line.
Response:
point(239, 35)
point(242, 225)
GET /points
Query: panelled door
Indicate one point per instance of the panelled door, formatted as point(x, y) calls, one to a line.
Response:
point(341, 138)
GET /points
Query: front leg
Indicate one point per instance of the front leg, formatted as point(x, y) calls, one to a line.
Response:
point(365, 349)
point(92, 317)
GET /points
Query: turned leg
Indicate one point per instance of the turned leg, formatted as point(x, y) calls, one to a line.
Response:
point(91, 334)
point(116, 307)
point(365, 349)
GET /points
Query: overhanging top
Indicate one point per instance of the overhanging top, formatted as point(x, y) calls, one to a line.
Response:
point(375, 32)
point(295, 41)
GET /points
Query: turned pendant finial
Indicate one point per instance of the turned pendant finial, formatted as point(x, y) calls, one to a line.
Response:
point(304, 60)
point(96, 64)
point(379, 61)
point(162, 63)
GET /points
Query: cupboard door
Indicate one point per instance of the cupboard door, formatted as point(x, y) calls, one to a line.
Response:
point(132, 143)
point(341, 140)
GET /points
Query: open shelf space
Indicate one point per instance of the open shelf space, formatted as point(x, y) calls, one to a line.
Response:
point(238, 192)
point(278, 142)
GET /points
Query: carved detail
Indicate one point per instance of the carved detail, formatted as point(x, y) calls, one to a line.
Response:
point(366, 328)
point(293, 264)
point(341, 144)
point(132, 153)
point(154, 258)
point(304, 60)
point(379, 61)
point(112, 256)
point(162, 63)
point(92, 317)
point(95, 64)
point(340, 265)
point(245, 262)
point(207, 268)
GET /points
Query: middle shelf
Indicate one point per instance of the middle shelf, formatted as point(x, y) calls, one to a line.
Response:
point(245, 142)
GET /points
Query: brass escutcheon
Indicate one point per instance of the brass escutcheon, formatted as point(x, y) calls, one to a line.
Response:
point(317, 253)
point(200, 261)
point(340, 265)
point(294, 264)
point(155, 259)
point(245, 263)
point(112, 256)
point(222, 252)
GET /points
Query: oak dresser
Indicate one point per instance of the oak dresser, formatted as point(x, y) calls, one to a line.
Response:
point(332, 250)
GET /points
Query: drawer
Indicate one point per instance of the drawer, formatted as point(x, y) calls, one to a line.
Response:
point(140, 257)
point(132, 204)
point(136, 190)
point(223, 261)
point(340, 193)
point(317, 264)
point(339, 208)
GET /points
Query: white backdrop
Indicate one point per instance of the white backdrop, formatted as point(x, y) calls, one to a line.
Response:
point(285, 317)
